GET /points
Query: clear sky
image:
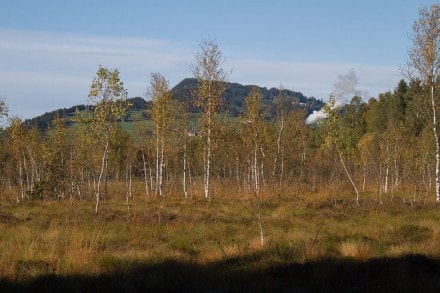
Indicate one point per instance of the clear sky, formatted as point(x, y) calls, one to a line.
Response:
point(50, 50)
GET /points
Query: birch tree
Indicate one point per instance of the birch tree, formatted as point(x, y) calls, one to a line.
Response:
point(210, 77)
point(108, 94)
point(161, 115)
point(182, 117)
point(56, 156)
point(281, 120)
point(252, 131)
point(334, 138)
point(424, 66)
point(17, 132)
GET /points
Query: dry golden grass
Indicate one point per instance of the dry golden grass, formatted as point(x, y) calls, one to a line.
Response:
point(399, 250)
point(313, 251)
point(355, 250)
point(61, 237)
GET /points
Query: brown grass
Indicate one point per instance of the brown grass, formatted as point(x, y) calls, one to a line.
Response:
point(355, 250)
point(59, 237)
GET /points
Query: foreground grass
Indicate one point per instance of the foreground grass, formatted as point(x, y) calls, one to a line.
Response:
point(57, 241)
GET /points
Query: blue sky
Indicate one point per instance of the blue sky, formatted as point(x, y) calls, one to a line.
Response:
point(51, 50)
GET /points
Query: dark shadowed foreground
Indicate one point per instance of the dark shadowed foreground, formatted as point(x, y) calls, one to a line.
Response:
point(412, 273)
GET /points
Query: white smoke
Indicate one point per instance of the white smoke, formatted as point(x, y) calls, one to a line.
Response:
point(316, 116)
point(343, 90)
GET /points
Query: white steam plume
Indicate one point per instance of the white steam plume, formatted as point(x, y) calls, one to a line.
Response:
point(315, 116)
point(343, 90)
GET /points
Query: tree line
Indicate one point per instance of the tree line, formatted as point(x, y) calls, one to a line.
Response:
point(385, 146)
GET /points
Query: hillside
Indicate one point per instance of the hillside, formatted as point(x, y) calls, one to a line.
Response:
point(234, 97)
point(235, 94)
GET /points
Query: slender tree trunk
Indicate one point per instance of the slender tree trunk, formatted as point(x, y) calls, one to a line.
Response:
point(208, 160)
point(428, 186)
point(380, 182)
point(279, 137)
point(282, 170)
point(189, 177)
point(263, 156)
point(348, 174)
point(255, 173)
point(35, 172)
point(237, 170)
point(144, 164)
point(20, 178)
point(260, 223)
point(437, 146)
point(364, 177)
point(303, 156)
point(105, 175)
point(396, 169)
point(128, 183)
point(150, 170)
point(26, 171)
point(185, 192)
point(72, 181)
point(161, 164)
point(157, 163)
point(387, 171)
point(103, 161)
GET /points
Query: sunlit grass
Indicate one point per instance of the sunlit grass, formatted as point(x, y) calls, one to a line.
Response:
point(49, 236)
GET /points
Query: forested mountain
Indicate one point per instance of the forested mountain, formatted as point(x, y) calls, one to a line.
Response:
point(234, 98)
point(236, 93)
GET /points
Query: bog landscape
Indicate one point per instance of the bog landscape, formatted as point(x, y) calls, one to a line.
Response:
point(217, 186)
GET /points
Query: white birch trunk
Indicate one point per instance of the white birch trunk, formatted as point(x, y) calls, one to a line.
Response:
point(385, 187)
point(282, 170)
point(261, 172)
point(364, 177)
point(20, 176)
point(396, 169)
point(255, 172)
point(98, 188)
point(34, 170)
point(157, 162)
point(185, 192)
point(208, 160)
point(348, 175)
point(437, 146)
point(161, 164)
point(105, 175)
point(144, 164)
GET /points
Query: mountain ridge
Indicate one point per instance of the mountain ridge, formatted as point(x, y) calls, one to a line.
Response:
point(234, 97)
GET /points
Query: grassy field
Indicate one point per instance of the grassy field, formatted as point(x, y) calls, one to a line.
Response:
point(313, 242)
